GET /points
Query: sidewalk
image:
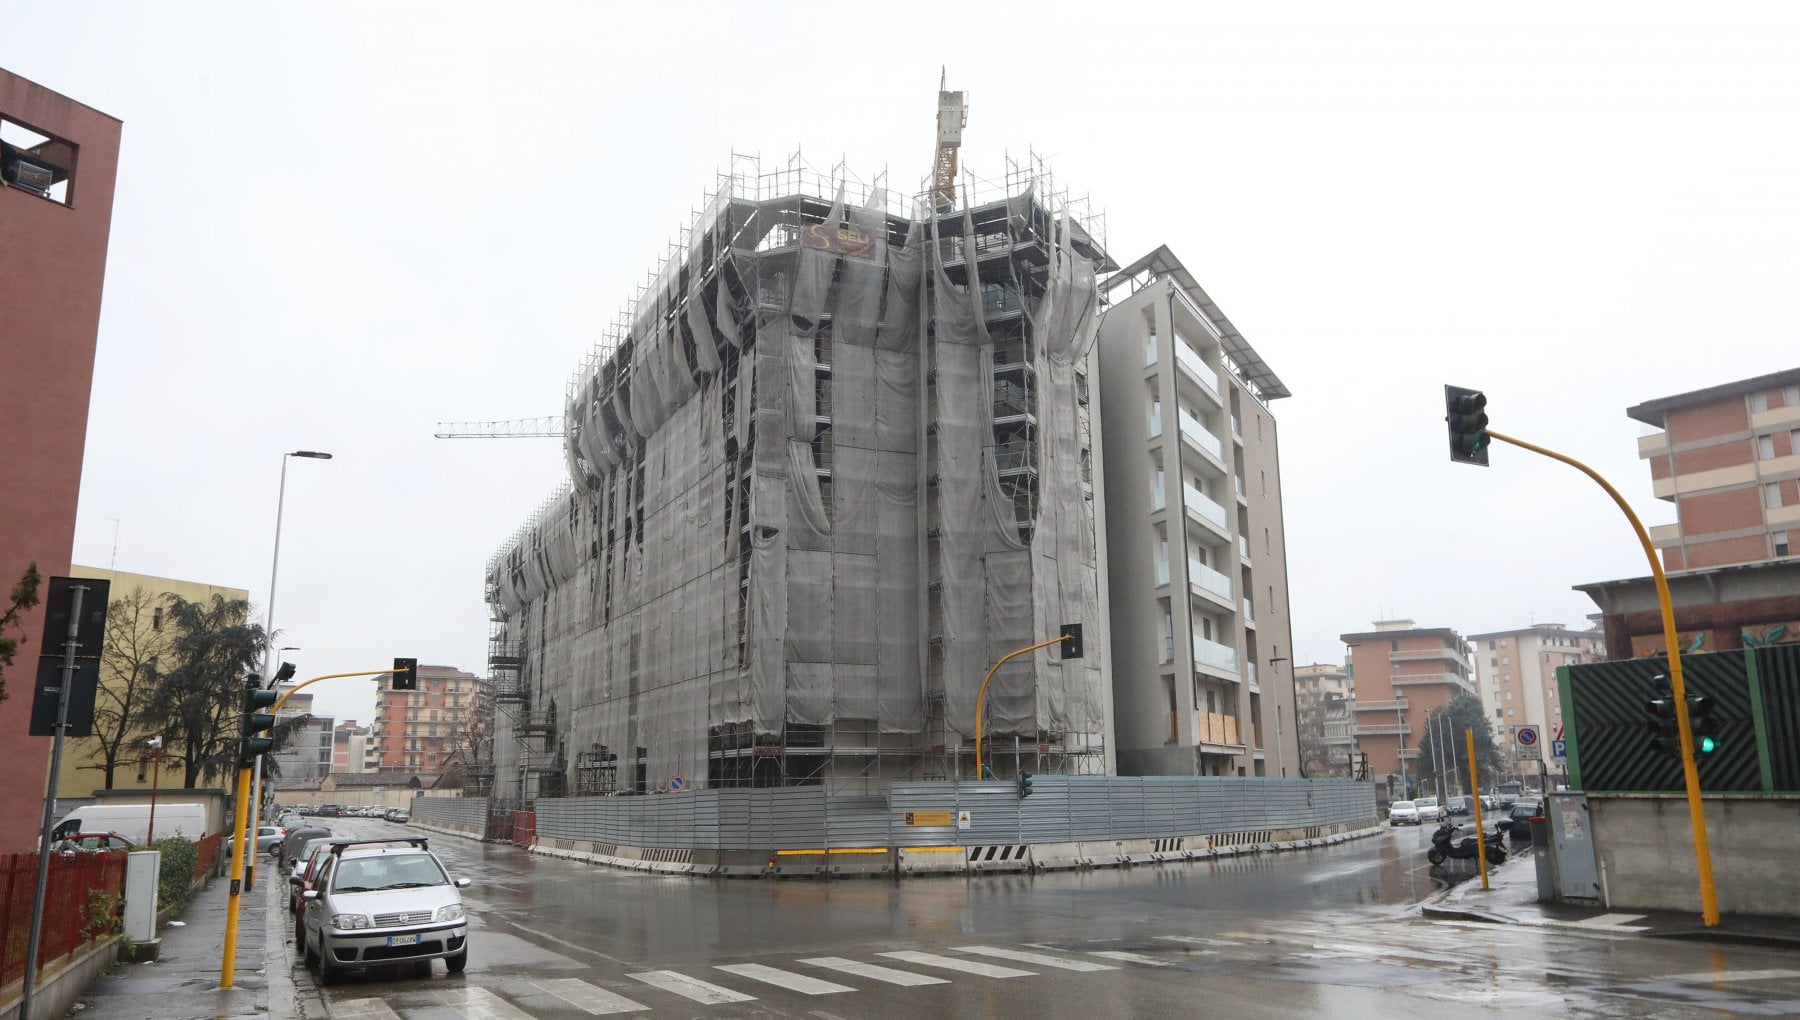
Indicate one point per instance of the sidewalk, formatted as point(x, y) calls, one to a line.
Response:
point(1512, 899)
point(184, 981)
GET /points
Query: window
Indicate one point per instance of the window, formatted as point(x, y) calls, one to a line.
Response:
point(1781, 543)
point(1794, 441)
point(156, 619)
point(1765, 447)
point(1772, 495)
point(1790, 395)
point(36, 162)
point(1759, 402)
point(1150, 349)
point(1155, 417)
point(1509, 713)
point(1499, 713)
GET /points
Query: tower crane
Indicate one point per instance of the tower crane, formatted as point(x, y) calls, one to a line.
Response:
point(515, 428)
point(953, 114)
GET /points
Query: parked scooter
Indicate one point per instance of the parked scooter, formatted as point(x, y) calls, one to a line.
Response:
point(1443, 849)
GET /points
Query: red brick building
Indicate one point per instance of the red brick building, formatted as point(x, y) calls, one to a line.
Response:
point(1402, 674)
point(58, 159)
point(417, 731)
point(1728, 458)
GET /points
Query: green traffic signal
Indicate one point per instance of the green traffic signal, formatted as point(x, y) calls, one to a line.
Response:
point(1702, 724)
point(1465, 412)
point(1708, 745)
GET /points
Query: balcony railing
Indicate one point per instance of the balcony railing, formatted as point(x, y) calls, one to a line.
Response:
point(1155, 422)
point(1381, 730)
point(1204, 374)
point(1211, 653)
point(1379, 706)
point(1201, 504)
point(1192, 428)
point(1206, 577)
point(1244, 546)
point(1162, 571)
point(1150, 351)
point(1249, 611)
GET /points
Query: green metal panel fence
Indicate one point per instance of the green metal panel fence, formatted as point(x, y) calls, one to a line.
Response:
point(1757, 693)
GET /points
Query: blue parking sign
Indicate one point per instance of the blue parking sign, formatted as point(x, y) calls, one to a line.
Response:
point(1559, 748)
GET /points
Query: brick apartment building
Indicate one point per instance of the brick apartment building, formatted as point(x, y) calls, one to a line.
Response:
point(58, 159)
point(1402, 674)
point(1728, 458)
point(418, 731)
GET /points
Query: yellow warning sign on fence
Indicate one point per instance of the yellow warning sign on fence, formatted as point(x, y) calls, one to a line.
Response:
point(927, 817)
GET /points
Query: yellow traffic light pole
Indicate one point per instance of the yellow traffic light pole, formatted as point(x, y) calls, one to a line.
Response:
point(1709, 899)
point(228, 969)
point(981, 698)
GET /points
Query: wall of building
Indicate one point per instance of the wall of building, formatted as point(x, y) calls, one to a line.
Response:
point(52, 265)
point(1402, 675)
point(1646, 848)
point(416, 731)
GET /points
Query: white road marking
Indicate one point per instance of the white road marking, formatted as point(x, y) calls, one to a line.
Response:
point(1040, 959)
point(1621, 922)
point(1124, 957)
point(784, 979)
point(1707, 976)
point(691, 988)
point(363, 1008)
point(952, 963)
point(596, 1001)
point(875, 971)
point(481, 1004)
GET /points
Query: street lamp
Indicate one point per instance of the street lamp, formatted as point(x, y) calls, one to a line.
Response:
point(268, 635)
point(1278, 760)
point(154, 744)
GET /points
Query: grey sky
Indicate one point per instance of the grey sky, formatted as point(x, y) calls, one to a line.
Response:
point(339, 224)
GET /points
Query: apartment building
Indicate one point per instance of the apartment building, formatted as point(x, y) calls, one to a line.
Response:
point(833, 461)
point(1197, 556)
point(306, 753)
point(1515, 671)
point(417, 731)
point(58, 160)
point(1323, 699)
point(1728, 458)
point(1403, 673)
point(354, 749)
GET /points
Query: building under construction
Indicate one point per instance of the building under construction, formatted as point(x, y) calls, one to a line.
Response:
point(833, 463)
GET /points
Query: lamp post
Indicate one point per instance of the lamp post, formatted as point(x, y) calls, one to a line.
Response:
point(1400, 741)
point(269, 635)
point(155, 744)
point(1278, 759)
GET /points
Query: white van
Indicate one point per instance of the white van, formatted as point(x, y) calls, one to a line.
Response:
point(133, 821)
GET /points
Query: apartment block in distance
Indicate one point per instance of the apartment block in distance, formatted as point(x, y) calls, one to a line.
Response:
point(1323, 698)
point(1197, 556)
point(354, 749)
point(1403, 673)
point(417, 731)
point(1728, 458)
point(1515, 671)
point(58, 159)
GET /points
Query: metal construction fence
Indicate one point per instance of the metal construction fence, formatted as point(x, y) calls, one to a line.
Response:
point(464, 814)
point(1060, 809)
point(68, 920)
point(1756, 694)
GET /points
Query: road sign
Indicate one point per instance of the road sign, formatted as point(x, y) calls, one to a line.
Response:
point(1559, 748)
point(676, 783)
point(1527, 739)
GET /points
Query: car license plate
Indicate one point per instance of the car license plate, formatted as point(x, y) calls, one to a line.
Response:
point(403, 940)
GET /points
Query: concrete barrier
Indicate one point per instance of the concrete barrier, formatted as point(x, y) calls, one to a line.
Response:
point(932, 860)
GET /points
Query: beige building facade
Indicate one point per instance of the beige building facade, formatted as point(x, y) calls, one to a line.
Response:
point(1196, 549)
point(1515, 671)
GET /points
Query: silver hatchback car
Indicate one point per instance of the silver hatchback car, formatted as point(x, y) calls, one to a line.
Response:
point(383, 901)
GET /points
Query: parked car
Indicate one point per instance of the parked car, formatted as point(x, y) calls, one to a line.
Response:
point(1403, 812)
point(268, 839)
point(1518, 820)
point(296, 839)
point(92, 842)
point(331, 811)
point(376, 903)
point(1460, 806)
point(1429, 810)
point(289, 820)
point(399, 816)
point(301, 878)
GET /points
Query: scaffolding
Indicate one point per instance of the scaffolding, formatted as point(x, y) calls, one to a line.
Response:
point(771, 563)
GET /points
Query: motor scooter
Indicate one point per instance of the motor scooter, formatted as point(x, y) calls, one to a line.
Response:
point(1442, 849)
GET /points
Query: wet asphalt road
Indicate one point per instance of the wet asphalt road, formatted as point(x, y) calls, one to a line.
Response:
point(1327, 932)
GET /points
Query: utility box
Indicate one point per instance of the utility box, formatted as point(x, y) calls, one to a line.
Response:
point(1575, 861)
point(143, 869)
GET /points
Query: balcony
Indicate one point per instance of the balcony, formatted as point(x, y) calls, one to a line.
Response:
point(1213, 654)
point(1192, 428)
point(1249, 612)
point(1202, 576)
point(1200, 505)
point(1382, 730)
point(1380, 706)
point(1162, 572)
point(1216, 728)
point(1427, 679)
point(1420, 656)
point(1244, 547)
point(1202, 373)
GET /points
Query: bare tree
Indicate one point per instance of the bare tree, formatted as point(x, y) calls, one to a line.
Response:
point(24, 596)
point(135, 643)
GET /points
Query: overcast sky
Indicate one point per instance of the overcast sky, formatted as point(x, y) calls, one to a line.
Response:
point(339, 224)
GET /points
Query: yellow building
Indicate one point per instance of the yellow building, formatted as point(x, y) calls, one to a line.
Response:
point(134, 635)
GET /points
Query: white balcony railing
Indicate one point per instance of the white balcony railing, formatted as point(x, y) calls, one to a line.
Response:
point(1192, 428)
point(1214, 654)
point(1206, 577)
point(1199, 503)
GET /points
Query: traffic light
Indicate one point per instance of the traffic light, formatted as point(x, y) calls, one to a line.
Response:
point(1071, 640)
point(1702, 724)
point(257, 740)
point(406, 674)
point(1465, 412)
point(1025, 780)
point(1665, 733)
point(284, 674)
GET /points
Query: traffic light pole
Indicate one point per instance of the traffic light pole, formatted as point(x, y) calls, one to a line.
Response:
point(1709, 899)
point(228, 968)
point(981, 698)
